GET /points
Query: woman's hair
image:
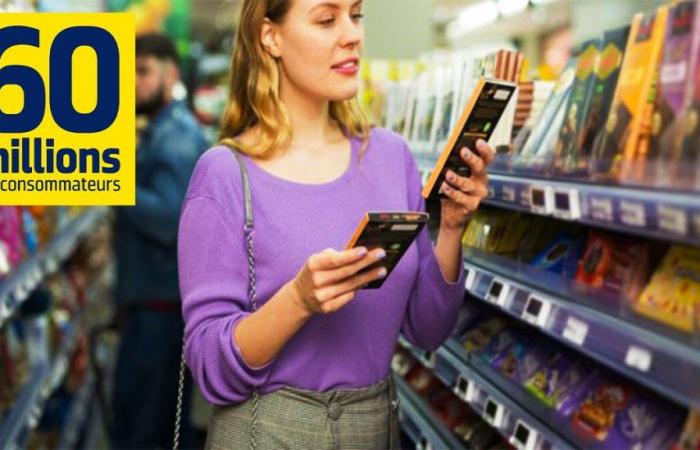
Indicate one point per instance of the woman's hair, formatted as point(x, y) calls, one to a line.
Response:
point(254, 89)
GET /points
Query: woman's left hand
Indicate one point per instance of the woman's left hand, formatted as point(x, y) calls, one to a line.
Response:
point(465, 194)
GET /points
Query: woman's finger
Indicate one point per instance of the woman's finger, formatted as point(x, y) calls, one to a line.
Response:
point(328, 277)
point(351, 284)
point(464, 184)
point(454, 194)
point(333, 259)
point(486, 152)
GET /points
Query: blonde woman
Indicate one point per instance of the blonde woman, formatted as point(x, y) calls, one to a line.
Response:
point(310, 367)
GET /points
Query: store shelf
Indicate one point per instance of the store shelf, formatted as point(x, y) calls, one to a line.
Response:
point(21, 281)
point(665, 215)
point(478, 385)
point(420, 423)
point(45, 378)
point(591, 323)
point(78, 416)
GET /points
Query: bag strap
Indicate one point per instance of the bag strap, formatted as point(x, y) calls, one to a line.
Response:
point(252, 298)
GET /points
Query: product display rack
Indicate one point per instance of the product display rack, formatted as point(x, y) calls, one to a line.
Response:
point(45, 378)
point(420, 423)
point(49, 370)
point(642, 350)
point(665, 215)
point(21, 282)
point(478, 385)
point(603, 328)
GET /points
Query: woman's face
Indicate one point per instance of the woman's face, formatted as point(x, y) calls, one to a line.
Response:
point(318, 44)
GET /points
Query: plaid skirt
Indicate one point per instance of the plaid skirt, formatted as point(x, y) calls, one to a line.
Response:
point(291, 418)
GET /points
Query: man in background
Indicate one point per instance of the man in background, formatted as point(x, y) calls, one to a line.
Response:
point(148, 302)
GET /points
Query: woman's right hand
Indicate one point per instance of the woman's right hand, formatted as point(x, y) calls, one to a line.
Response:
point(329, 279)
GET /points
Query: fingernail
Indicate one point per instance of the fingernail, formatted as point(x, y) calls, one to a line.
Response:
point(361, 251)
point(465, 152)
point(381, 254)
point(445, 187)
point(480, 143)
point(450, 175)
point(382, 272)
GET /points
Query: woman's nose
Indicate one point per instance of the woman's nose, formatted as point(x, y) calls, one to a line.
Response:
point(352, 33)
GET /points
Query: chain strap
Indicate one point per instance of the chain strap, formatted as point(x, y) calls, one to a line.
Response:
point(252, 298)
point(180, 395)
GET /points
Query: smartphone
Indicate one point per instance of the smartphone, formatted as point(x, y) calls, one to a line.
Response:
point(480, 117)
point(392, 231)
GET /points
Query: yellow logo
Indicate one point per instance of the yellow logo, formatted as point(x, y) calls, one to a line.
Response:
point(67, 133)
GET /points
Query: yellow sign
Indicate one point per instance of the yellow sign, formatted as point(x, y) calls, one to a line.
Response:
point(67, 133)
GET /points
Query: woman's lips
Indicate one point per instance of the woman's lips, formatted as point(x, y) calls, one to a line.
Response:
point(346, 68)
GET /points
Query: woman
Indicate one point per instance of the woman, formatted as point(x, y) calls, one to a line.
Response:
point(318, 349)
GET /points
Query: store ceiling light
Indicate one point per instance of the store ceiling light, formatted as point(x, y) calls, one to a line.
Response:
point(474, 16)
point(510, 7)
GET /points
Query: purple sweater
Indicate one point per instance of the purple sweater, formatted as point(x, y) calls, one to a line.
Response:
point(350, 348)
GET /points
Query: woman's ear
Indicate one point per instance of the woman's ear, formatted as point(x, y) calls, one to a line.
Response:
point(269, 38)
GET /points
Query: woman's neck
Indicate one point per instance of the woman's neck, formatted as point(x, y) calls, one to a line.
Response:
point(312, 126)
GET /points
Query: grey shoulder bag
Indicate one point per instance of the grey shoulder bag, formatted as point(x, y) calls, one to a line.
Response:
point(248, 230)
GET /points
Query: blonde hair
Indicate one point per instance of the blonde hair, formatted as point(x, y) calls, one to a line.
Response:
point(254, 89)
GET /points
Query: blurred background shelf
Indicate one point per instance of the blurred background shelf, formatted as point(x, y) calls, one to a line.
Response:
point(22, 280)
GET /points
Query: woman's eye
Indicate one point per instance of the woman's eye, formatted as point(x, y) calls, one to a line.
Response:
point(357, 17)
point(326, 22)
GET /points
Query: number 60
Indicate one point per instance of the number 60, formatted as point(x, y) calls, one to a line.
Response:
point(60, 80)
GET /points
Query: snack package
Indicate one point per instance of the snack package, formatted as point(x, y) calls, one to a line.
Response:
point(561, 256)
point(614, 264)
point(477, 338)
point(673, 294)
point(614, 413)
point(559, 378)
point(522, 359)
point(11, 244)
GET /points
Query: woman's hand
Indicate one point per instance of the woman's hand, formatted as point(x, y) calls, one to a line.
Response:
point(465, 194)
point(330, 279)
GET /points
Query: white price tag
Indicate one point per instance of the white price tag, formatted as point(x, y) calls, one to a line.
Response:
point(672, 219)
point(575, 330)
point(525, 198)
point(639, 358)
point(541, 199)
point(632, 213)
point(537, 311)
point(567, 204)
point(602, 209)
point(498, 292)
point(461, 386)
point(509, 194)
point(491, 192)
point(469, 278)
point(494, 412)
point(524, 437)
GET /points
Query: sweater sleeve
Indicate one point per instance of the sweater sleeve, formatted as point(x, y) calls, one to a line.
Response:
point(213, 274)
point(434, 303)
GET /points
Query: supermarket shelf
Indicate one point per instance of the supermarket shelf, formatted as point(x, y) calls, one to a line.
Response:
point(478, 386)
point(22, 280)
point(420, 423)
point(666, 215)
point(45, 378)
point(599, 326)
point(78, 415)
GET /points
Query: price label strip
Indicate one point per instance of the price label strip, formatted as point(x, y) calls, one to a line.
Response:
point(602, 209)
point(567, 204)
point(537, 311)
point(498, 292)
point(673, 220)
point(508, 194)
point(575, 330)
point(541, 199)
point(494, 412)
point(632, 214)
point(524, 437)
point(639, 358)
point(469, 278)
